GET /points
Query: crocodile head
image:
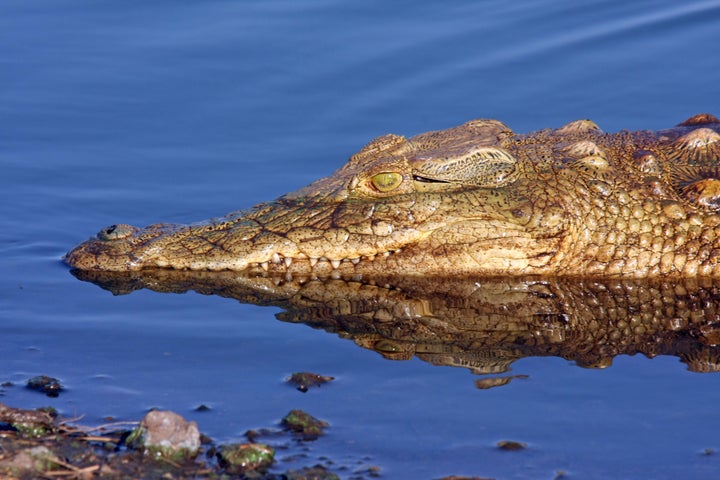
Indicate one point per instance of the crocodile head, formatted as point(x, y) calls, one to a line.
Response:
point(473, 199)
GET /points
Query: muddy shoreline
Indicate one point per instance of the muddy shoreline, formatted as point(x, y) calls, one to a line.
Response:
point(41, 443)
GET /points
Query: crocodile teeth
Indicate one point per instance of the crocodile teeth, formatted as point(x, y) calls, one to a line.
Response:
point(355, 261)
point(335, 263)
point(265, 266)
point(276, 258)
point(371, 257)
point(313, 262)
point(288, 262)
point(386, 254)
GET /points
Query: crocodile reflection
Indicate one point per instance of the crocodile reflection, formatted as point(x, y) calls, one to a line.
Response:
point(484, 324)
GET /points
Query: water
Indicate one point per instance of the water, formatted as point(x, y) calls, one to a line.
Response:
point(141, 112)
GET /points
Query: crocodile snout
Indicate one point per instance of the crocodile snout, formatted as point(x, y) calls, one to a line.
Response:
point(117, 247)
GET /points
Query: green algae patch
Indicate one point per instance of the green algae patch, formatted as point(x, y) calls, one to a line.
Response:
point(304, 424)
point(135, 439)
point(242, 458)
point(30, 423)
point(32, 429)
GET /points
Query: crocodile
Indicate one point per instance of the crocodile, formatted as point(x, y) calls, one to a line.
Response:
point(475, 199)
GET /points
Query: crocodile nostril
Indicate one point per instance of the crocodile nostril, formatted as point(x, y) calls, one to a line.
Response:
point(116, 232)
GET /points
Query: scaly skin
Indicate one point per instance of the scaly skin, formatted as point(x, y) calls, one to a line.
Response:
point(474, 199)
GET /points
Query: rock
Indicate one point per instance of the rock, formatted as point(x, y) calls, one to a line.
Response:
point(48, 385)
point(318, 472)
point(242, 458)
point(372, 471)
point(33, 423)
point(305, 380)
point(304, 424)
point(511, 445)
point(166, 434)
point(35, 459)
point(460, 477)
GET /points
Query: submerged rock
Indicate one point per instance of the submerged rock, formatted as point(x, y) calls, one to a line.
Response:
point(304, 424)
point(511, 445)
point(460, 477)
point(242, 458)
point(318, 472)
point(166, 434)
point(304, 380)
point(48, 385)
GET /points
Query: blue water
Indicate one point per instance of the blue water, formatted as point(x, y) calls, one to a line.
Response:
point(150, 111)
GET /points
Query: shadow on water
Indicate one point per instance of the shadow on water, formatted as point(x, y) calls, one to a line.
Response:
point(484, 324)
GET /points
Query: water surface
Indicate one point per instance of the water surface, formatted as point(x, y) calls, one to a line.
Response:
point(141, 112)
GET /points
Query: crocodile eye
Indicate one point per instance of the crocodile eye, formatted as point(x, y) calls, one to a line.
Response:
point(386, 181)
point(116, 232)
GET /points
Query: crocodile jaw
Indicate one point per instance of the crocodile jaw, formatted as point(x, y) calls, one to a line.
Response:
point(240, 241)
point(246, 241)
